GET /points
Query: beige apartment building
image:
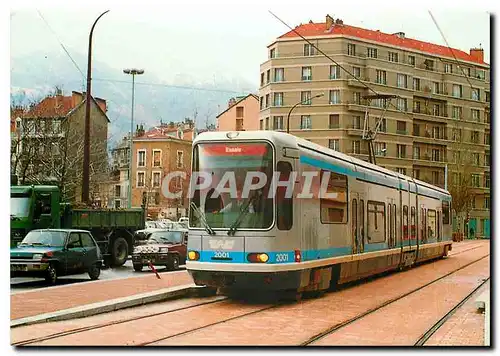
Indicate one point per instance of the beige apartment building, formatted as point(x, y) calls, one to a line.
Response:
point(440, 112)
point(242, 114)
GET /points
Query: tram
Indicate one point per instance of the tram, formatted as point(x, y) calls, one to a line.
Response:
point(345, 219)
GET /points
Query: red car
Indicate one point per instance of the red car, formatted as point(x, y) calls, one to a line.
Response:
point(162, 248)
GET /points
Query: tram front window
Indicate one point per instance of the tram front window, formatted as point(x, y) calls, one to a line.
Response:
point(223, 204)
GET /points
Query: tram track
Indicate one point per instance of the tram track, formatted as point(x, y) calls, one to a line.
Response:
point(426, 336)
point(243, 315)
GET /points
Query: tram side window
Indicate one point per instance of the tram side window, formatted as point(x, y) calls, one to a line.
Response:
point(376, 221)
point(423, 230)
point(284, 205)
point(446, 213)
point(431, 224)
point(333, 205)
point(438, 224)
point(405, 222)
point(413, 230)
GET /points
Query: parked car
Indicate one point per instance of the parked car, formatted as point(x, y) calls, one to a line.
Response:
point(141, 236)
point(162, 248)
point(56, 252)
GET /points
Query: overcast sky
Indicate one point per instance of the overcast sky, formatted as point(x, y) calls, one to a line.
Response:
point(207, 42)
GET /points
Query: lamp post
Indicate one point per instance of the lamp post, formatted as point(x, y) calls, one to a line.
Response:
point(133, 72)
point(293, 107)
point(86, 139)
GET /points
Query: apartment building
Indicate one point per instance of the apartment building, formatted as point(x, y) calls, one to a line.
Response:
point(118, 190)
point(439, 113)
point(242, 114)
point(155, 154)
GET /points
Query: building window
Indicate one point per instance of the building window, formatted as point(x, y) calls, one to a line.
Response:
point(393, 57)
point(180, 159)
point(411, 60)
point(436, 132)
point(487, 202)
point(416, 106)
point(267, 100)
point(448, 68)
point(475, 94)
point(334, 96)
point(376, 221)
point(402, 104)
point(381, 77)
point(435, 110)
point(305, 98)
point(357, 98)
point(141, 158)
point(279, 74)
point(486, 180)
point(308, 50)
point(372, 52)
point(261, 79)
point(380, 148)
point(272, 53)
point(278, 122)
point(140, 179)
point(156, 158)
point(435, 177)
point(305, 122)
point(261, 124)
point(401, 170)
point(475, 159)
point(278, 99)
point(334, 145)
point(475, 115)
point(486, 138)
point(239, 111)
point(351, 49)
point(416, 84)
point(268, 76)
point(401, 127)
point(474, 136)
point(356, 122)
point(334, 72)
point(487, 96)
point(356, 146)
point(487, 160)
point(475, 180)
point(156, 179)
point(436, 155)
point(456, 112)
point(416, 152)
point(416, 130)
point(435, 88)
point(457, 91)
point(267, 123)
point(118, 190)
point(416, 173)
point(334, 121)
point(356, 71)
point(481, 74)
point(306, 73)
point(402, 81)
point(456, 156)
point(401, 151)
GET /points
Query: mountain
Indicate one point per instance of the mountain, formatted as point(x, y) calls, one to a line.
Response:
point(39, 73)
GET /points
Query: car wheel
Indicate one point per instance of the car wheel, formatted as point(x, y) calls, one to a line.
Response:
point(138, 268)
point(174, 263)
point(94, 272)
point(51, 274)
point(120, 252)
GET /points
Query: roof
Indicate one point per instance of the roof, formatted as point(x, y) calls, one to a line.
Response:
point(319, 29)
point(242, 98)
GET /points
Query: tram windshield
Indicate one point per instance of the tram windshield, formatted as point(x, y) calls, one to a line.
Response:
point(223, 204)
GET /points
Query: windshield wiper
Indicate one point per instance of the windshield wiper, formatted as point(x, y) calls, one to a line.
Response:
point(243, 212)
point(39, 244)
point(202, 218)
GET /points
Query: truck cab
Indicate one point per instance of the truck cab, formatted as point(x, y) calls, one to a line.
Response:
point(33, 207)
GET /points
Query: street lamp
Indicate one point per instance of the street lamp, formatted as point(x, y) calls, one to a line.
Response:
point(133, 72)
point(293, 107)
point(86, 139)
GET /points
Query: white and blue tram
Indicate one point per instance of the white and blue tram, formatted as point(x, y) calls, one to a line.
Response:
point(373, 219)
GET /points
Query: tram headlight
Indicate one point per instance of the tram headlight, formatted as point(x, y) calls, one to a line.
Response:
point(193, 256)
point(258, 257)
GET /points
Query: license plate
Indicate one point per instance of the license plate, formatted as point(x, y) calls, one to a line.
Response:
point(145, 262)
point(23, 268)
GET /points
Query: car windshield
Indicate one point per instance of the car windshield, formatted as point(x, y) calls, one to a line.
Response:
point(165, 237)
point(20, 206)
point(44, 238)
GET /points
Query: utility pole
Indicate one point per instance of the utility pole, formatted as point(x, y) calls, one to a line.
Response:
point(86, 139)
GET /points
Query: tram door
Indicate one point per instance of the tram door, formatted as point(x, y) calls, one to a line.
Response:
point(357, 223)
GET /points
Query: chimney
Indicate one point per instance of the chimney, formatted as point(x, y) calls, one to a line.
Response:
point(329, 22)
point(477, 53)
point(399, 34)
point(339, 22)
point(231, 102)
point(101, 103)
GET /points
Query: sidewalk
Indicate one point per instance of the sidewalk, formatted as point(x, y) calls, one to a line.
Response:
point(58, 298)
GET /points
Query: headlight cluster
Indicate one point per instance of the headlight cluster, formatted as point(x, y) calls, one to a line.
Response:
point(163, 249)
point(37, 256)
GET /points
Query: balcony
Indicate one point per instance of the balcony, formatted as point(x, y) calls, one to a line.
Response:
point(354, 132)
point(356, 83)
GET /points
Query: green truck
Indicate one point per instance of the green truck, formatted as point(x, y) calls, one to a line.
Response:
point(39, 207)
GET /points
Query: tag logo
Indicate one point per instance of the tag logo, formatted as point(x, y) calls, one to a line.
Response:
point(221, 244)
point(233, 150)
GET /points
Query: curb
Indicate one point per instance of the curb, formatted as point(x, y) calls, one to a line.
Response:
point(186, 290)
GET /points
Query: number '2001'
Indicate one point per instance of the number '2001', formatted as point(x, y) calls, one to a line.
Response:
point(281, 257)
